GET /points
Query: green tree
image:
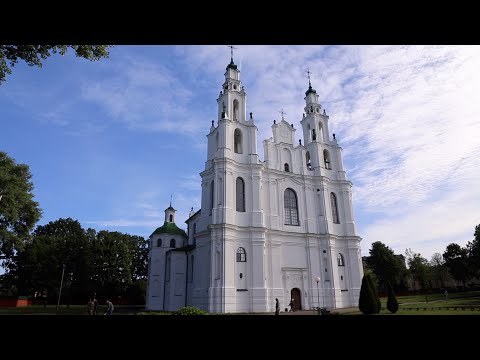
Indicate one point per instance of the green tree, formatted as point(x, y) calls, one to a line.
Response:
point(473, 248)
point(18, 211)
point(392, 302)
point(367, 302)
point(438, 268)
point(456, 260)
point(418, 267)
point(35, 54)
point(383, 262)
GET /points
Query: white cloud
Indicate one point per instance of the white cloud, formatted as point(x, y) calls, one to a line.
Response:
point(406, 116)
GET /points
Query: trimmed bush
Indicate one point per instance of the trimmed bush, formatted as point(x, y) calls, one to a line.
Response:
point(392, 303)
point(189, 310)
point(375, 293)
point(367, 302)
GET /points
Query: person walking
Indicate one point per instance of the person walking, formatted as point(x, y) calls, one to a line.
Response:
point(277, 307)
point(109, 308)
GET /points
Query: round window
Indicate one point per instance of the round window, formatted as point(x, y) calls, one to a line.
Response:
point(317, 110)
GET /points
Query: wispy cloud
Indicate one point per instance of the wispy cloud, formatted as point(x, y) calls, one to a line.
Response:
point(406, 117)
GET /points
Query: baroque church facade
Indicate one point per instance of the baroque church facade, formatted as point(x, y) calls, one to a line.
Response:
point(278, 228)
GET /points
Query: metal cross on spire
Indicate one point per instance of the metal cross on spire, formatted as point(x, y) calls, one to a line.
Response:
point(308, 74)
point(283, 113)
point(170, 200)
point(231, 51)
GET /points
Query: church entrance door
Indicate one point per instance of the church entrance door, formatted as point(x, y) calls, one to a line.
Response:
point(297, 300)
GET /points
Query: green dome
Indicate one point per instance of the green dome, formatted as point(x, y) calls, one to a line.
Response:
point(310, 90)
point(232, 66)
point(169, 228)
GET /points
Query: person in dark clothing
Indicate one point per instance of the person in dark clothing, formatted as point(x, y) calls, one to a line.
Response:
point(277, 307)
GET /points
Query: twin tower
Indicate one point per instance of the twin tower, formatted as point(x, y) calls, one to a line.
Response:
point(278, 228)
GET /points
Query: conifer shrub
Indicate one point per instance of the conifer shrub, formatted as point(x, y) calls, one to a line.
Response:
point(367, 302)
point(392, 302)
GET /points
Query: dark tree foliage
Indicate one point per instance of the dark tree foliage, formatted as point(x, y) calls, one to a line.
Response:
point(18, 211)
point(474, 252)
point(383, 262)
point(107, 264)
point(33, 55)
point(392, 302)
point(367, 302)
point(457, 262)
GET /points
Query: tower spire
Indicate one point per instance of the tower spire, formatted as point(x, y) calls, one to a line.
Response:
point(231, 52)
point(308, 74)
point(170, 200)
point(283, 113)
point(310, 89)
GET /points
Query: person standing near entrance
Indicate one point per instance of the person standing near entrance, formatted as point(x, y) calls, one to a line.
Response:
point(277, 307)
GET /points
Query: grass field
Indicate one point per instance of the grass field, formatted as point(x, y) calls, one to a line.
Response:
point(464, 303)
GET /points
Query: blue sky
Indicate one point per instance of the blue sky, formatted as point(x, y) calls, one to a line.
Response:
point(108, 142)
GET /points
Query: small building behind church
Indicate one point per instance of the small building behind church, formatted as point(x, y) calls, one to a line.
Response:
point(278, 228)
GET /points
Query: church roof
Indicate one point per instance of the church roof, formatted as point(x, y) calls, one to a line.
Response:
point(169, 228)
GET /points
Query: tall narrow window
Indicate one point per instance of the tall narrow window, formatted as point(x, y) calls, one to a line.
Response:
point(172, 243)
point(241, 255)
point(308, 162)
point(237, 141)
point(326, 159)
point(217, 142)
point(212, 193)
point(291, 207)
point(195, 228)
point(340, 260)
point(159, 242)
point(333, 201)
point(235, 110)
point(171, 218)
point(286, 167)
point(240, 194)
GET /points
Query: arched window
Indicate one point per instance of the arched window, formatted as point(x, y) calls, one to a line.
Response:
point(326, 159)
point(308, 161)
point(314, 135)
point(237, 141)
point(340, 260)
point(309, 133)
point(172, 243)
point(333, 201)
point(291, 207)
point(235, 110)
point(171, 218)
point(212, 188)
point(240, 194)
point(241, 255)
point(159, 242)
point(286, 167)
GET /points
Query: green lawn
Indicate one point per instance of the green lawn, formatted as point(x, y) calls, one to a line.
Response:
point(64, 310)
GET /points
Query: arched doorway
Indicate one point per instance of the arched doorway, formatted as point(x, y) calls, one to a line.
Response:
point(297, 300)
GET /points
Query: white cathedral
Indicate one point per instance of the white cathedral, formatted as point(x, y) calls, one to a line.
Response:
point(279, 228)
